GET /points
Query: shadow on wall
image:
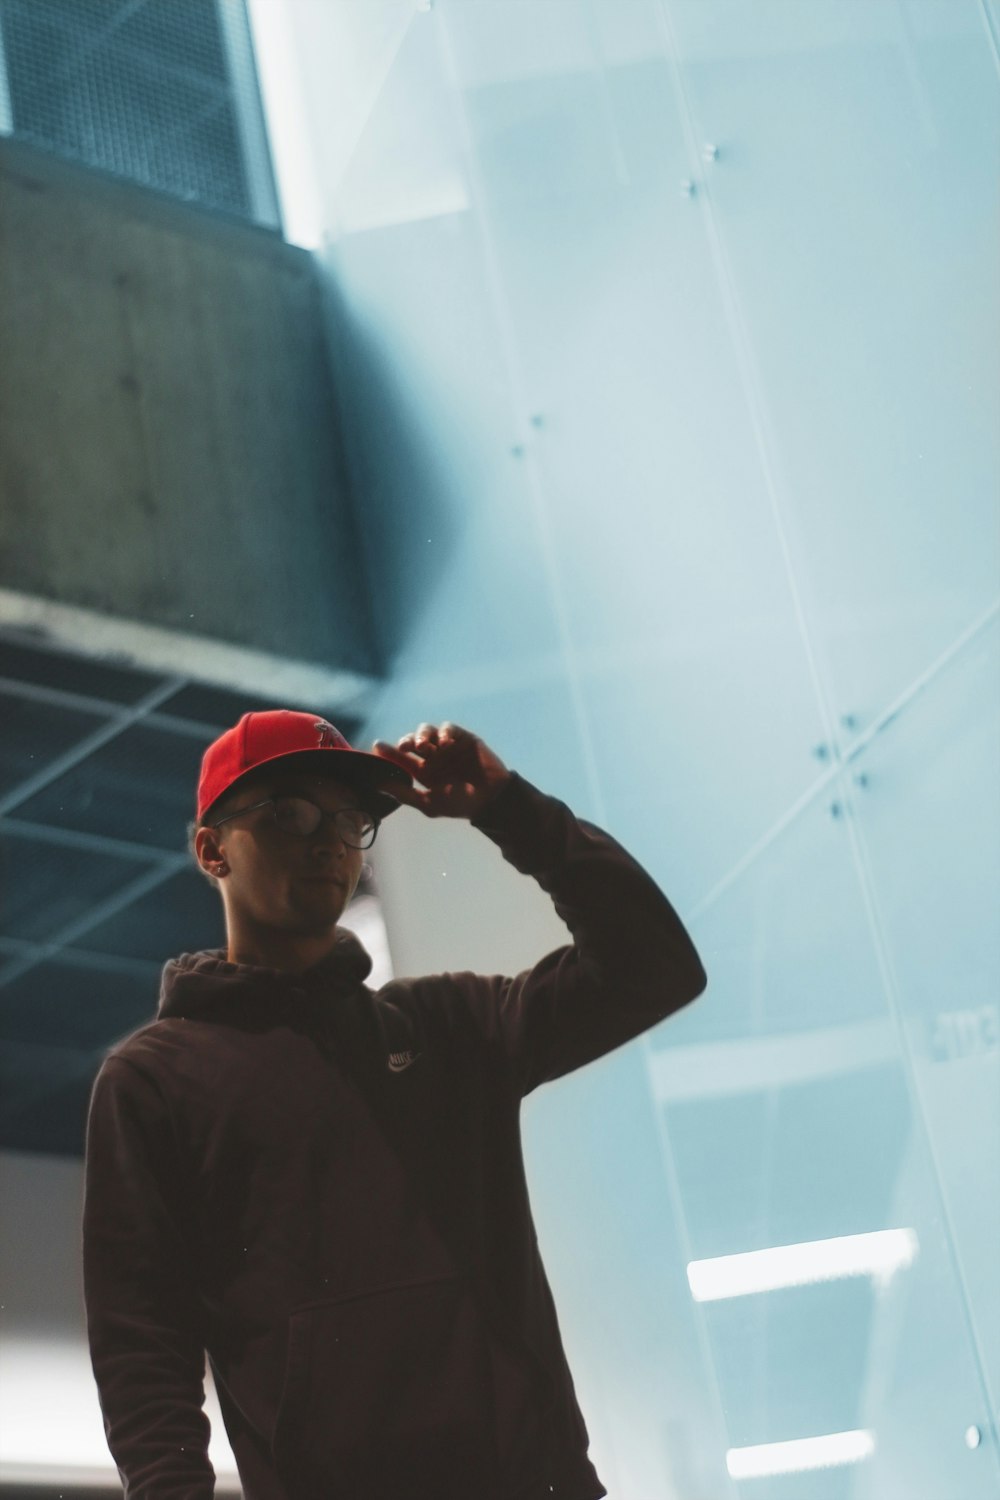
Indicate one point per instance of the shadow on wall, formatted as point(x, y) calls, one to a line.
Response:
point(401, 488)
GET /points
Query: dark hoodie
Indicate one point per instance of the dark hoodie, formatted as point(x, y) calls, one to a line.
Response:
point(322, 1185)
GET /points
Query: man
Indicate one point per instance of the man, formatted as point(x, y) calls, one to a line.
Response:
point(321, 1184)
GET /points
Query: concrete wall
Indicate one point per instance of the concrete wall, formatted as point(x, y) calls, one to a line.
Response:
point(169, 450)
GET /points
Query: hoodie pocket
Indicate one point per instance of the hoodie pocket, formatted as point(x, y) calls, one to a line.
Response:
point(402, 1393)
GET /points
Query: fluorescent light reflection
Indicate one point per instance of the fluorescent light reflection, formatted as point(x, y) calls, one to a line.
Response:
point(880, 1254)
point(801, 1453)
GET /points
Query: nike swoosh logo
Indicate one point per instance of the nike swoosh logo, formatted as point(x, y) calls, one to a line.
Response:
point(400, 1061)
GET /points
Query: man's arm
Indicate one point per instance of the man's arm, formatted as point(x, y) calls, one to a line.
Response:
point(631, 962)
point(146, 1344)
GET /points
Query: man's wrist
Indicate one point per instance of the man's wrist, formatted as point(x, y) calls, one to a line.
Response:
point(494, 795)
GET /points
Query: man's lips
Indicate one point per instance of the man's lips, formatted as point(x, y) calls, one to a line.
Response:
point(323, 879)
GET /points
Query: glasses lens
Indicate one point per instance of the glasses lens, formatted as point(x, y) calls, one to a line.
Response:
point(299, 815)
point(356, 828)
point(296, 815)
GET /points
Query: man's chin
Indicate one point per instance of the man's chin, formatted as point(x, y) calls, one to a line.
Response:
point(320, 910)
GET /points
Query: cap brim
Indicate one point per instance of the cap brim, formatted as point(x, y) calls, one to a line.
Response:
point(371, 774)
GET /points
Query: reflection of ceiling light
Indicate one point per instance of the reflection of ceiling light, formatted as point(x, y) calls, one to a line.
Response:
point(801, 1453)
point(880, 1254)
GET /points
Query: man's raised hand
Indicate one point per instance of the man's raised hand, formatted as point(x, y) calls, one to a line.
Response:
point(460, 773)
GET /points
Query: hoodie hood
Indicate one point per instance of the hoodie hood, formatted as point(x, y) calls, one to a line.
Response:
point(200, 984)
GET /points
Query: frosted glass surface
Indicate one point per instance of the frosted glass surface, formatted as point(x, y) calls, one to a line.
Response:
point(867, 202)
point(665, 335)
point(932, 847)
point(790, 1118)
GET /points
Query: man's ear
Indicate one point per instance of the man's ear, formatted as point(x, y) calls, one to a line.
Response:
point(209, 851)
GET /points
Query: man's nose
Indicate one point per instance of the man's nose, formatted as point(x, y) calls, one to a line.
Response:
point(328, 837)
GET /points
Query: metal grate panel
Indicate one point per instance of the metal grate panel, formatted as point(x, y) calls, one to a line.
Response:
point(163, 92)
point(98, 766)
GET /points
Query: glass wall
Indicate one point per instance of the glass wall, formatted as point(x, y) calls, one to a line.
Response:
point(666, 338)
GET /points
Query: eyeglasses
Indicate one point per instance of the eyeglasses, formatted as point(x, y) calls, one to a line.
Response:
point(299, 816)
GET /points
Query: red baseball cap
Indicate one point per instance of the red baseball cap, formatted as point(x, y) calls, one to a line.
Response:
point(260, 739)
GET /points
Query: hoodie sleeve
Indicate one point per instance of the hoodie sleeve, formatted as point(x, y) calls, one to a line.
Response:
point(631, 962)
point(146, 1345)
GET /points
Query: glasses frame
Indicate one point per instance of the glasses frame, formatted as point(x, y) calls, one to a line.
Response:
point(323, 815)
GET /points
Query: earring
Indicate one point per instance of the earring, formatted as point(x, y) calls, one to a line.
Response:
point(366, 872)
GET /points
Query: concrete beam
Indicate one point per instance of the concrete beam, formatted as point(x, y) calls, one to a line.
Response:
point(170, 453)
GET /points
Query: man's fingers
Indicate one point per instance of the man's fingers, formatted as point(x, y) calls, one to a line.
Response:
point(405, 758)
point(454, 764)
point(411, 796)
point(387, 751)
point(429, 735)
point(452, 732)
point(429, 749)
point(406, 794)
point(413, 744)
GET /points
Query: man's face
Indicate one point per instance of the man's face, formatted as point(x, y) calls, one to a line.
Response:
point(300, 884)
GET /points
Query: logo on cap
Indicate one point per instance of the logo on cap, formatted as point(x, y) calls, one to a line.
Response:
point(329, 739)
